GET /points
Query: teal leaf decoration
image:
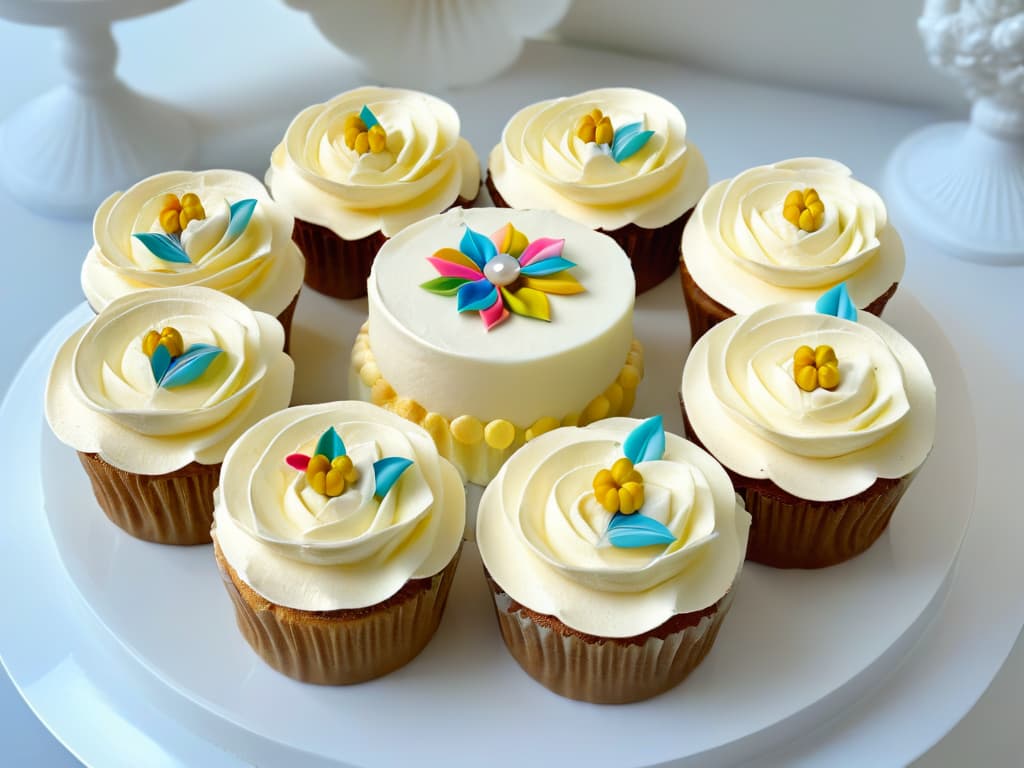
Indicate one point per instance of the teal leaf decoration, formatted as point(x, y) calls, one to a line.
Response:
point(189, 365)
point(446, 286)
point(159, 363)
point(646, 442)
point(386, 473)
point(547, 266)
point(163, 246)
point(836, 301)
point(637, 530)
point(477, 295)
point(628, 140)
point(330, 445)
point(477, 247)
point(369, 119)
point(241, 212)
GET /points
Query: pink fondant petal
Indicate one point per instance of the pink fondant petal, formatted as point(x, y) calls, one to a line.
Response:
point(447, 269)
point(494, 314)
point(540, 249)
point(297, 461)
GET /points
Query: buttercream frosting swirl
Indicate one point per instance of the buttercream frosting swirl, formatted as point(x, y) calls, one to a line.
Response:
point(541, 162)
point(423, 169)
point(822, 445)
point(261, 266)
point(102, 396)
point(743, 252)
point(541, 532)
point(305, 550)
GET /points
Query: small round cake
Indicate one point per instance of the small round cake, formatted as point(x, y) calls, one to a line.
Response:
point(615, 159)
point(787, 232)
point(821, 414)
point(337, 531)
point(489, 327)
point(152, 393)
point(612, 552)
point(217, 229)
point(360, 167)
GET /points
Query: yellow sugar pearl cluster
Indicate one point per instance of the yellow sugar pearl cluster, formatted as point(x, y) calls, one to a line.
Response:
point(595, 127)
point(330, 478)
point(804, 209)
point(619, 489)
point(175, 214)
point(363, 139)
point(813, 368)
point(168, 337)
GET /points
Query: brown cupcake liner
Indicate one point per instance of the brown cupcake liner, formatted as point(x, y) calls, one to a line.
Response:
point(173, 508)
point(705, 313)
point(787, 531)
point(653, 253)
point(604, 670)
point(346, 646)
point(285, 319)
point(338, 267)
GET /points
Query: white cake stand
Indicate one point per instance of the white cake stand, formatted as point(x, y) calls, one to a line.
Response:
point(65, 151)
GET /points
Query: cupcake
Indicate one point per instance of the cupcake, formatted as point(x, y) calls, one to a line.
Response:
point(612, 553)
point(337, 532)
point(489, 327)
point(787, 232)
point(617, 160)
point(821, 421)
point(357, 169)
point(216, 229)
point(152, 393)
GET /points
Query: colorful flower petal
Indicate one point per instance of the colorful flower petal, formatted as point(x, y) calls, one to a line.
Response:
point(494, 314)
point(631, 531)
point(542, 248)
point(159, 362)
point(646, 442)
point(836, 301)
point(445, 286)
point(386, 472)
point(528, 303)
point(238, 218)
point(547, 267)
point(477, 295)
point(330, 445)
point(560, 283)
point(447, 269)
point(163, 247)
point(190, 365)
point(510, 240)
point(457, 257)
point(297, 461)
point(628, 140)
point(477, 247)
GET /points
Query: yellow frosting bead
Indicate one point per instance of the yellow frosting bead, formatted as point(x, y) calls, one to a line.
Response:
point(409, 409)
point(619, 489)
point(615, 395)
point(467, 430)
point(803, 356)
point(381, 392)
point(362, 139)
point(499, 434)
point(807, 378)
point(828, 376)
point(362, 144)
point(629, 377)
point(824, 354)
point(603, 133)
point(631, 498)
point(595, 127)
point(813, 368)
point(542, 425)
point(571, 419)
point(369, 374)
point(437, 426)
point(596, 409)
point(169, 221)
point(168, 337)
point(150, 342)
point(316, 473)
point(377, 139)
point(804, 209)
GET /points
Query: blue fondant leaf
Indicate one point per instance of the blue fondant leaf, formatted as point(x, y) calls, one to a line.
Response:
point(478, 247)
point(628, 140)
point(547, 266)
point(369, 119)
point(330, 445)
point(637, 530)
point(163, 247)
point(386, 473)
point(836, 301)
point(189, 365)
point(478, 295)
point(160, 362)
point(646, 442)
point(241, 212)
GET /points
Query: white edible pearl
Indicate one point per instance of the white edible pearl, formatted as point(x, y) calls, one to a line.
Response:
point(502, 269)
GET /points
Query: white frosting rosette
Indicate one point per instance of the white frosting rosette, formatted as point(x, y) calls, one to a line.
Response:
point(302, 549)
point(544, 537)
point(745, 406)
point(259, 265)
point(744, 253)
point(542, 163)
point(423, 169)
point(102, 395)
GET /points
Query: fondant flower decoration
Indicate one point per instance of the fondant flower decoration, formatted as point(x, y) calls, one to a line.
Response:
point(804, 209)
point(364, 133)
point(622, 143)
point(172, 364)
point(813, 368)
point(621, 490)
point(503, 273)
point(836, 301)
point(176, 215)
point(330, 472)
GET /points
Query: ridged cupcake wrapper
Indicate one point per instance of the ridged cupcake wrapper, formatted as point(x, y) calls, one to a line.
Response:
point(335, 266)
point(653, 253)
point(705, 313)
point(174, 508)
point(340, 647)
point(285, 319)
point(600, 670)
